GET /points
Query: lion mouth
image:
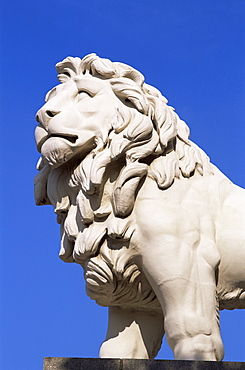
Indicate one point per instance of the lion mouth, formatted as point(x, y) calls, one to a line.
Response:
point(71, 138)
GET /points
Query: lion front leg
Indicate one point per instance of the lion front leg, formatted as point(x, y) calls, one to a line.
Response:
point(192, 329)
point(132, 334)
point(184, 281)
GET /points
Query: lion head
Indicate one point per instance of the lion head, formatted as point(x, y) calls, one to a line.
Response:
point(101, 133)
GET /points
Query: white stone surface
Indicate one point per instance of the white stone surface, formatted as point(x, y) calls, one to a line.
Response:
point(157, 228)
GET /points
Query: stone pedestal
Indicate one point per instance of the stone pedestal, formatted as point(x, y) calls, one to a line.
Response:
point(61, 363)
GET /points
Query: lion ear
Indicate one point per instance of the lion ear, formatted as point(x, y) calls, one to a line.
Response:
point(68, 68)
point(125, 70)
point(129, 90)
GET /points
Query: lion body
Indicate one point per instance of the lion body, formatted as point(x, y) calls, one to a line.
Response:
point(206, 211)
point(158, 230)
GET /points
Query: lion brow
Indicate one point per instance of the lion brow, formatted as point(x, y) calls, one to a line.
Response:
point(50, 93)
point(89, 83)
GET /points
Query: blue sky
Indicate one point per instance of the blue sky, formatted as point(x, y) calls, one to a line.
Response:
point(193, 51)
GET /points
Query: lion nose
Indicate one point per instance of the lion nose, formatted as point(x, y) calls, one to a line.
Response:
point(44, 116)
point(51, 113)
point(38, 118)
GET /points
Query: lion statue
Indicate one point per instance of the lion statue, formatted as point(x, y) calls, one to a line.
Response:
point(156, 227)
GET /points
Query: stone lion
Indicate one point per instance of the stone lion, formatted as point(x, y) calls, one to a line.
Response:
point(156, 227)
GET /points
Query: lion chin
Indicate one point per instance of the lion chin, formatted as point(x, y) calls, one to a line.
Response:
point(61, 149)
point(57, 151)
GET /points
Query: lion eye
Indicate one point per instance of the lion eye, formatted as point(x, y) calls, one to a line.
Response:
point(82, 92)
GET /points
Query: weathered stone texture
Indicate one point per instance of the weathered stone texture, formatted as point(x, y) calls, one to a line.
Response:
point(60, 363)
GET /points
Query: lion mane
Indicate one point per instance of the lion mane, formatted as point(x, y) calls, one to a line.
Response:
point(94, 199)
